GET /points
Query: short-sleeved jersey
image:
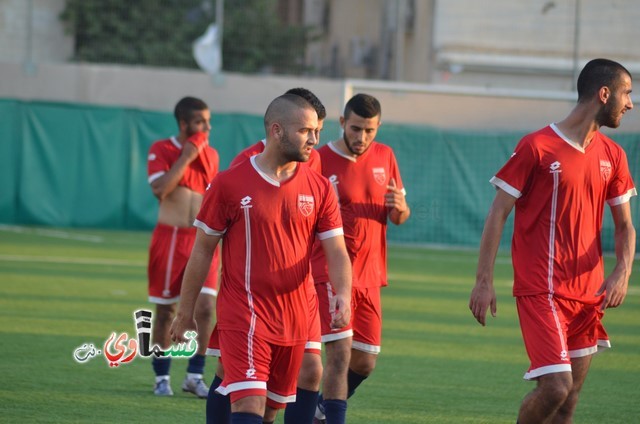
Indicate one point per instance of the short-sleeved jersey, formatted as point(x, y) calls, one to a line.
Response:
point(313, 162)
point(561, 190)
point(197, 176)
point(361, 184)
point(268, 229)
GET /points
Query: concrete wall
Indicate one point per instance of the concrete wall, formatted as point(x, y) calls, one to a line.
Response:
point(45, 42)
point(466, 108)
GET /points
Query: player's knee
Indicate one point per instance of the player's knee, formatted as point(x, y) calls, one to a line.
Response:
point(363, 364)
point(338, 355)
point(205, 308)
point(557, 390)
point(310, 374)
point(164, 315)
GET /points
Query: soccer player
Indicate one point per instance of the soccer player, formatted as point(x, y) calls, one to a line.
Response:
point(302, 410)
point(559, 179)
point(366, 177)
point(269, 209)
point(180, 168)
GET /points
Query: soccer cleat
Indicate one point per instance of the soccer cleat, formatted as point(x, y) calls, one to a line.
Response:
point(163, 388)
point(195, 386)
point(319, 421)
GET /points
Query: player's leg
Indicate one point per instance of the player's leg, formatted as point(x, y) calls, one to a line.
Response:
point(281, 387)
point(246, 371)
point(367, 338)
point(164, 292)
point(580, 367)
point(248, 410)
point(218, 405)
point(205, 310)
point(194, 380)
point(545, 400)
point(303, 409)
point(160, 337)
point(585, 336)
point(332, 403)
point(544, 324)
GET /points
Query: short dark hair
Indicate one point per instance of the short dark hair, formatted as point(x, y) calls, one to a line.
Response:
point(599, 73)
point(186, 106)
point(280, 109)
point(363, 105)
point(311, 98)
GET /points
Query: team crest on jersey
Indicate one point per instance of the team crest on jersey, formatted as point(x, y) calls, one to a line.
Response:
point(379, 175)
point(605, 169)
point(305, 204)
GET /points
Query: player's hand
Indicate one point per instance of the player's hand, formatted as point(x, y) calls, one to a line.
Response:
point(179, 326)
point(199, 139)
point(342, 311)
point(394, 198)
point(483, 297)
point(614, 289)
point(195, 144)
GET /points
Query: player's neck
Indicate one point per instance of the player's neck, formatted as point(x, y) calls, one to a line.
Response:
point(274, 168)
point(579, 126)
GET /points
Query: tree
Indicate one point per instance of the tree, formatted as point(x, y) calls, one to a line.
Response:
point(161, 33)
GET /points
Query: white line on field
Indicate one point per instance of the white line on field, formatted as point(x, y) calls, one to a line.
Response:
point(52, 233)
point(66, 260)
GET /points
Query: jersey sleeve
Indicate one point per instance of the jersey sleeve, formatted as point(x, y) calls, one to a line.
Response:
point(517, 171)
point(329, 219)
point(213, 216)
point(621, 187)
point(157, 162)
point(240, 157)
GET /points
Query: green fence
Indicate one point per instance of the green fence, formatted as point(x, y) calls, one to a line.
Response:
point(72, 165)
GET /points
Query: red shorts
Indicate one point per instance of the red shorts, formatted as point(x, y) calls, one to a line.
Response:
point(366, 318)
point(259, 368)
point(555, 330)
point(169, 253)
point(313, 344)
point(314, 340)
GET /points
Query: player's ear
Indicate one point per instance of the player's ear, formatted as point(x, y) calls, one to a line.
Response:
point(603, 94)
point(276, 130)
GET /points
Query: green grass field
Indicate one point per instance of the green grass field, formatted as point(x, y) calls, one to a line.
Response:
point(61, 288)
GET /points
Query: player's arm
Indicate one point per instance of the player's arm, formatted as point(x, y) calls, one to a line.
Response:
point(339, 266)
point(395, 200)
point(615, 285)
point(164, 185)
point(483, 295)
point(194, 276)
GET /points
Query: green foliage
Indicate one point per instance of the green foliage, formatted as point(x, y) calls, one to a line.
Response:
point(161, 33)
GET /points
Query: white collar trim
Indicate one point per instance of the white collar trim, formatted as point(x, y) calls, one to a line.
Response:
point(571, 143)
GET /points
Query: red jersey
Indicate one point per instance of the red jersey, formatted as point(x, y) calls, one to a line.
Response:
point(313, 162)
point(561, 190)
point(361, 184)
point(199, 173)
point(268, 229)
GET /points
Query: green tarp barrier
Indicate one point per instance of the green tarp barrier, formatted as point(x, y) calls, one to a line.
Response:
point(74, 165)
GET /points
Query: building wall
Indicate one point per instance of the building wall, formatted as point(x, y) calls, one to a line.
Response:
point(40, 38)
point(448, 107)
